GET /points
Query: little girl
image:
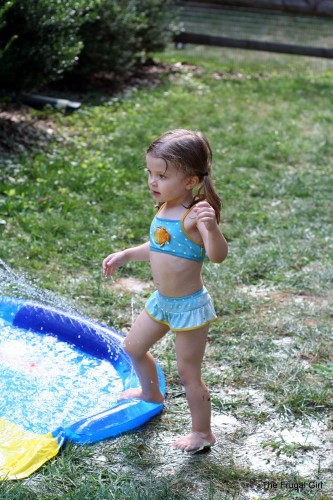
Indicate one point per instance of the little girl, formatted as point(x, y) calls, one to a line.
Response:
point(184, 230)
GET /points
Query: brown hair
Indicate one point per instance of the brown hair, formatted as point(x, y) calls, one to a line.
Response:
point(191, 153)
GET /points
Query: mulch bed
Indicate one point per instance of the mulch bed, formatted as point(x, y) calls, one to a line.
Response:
point(22, 129)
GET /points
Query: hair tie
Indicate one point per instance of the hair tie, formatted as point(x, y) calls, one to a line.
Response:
point(205, 174)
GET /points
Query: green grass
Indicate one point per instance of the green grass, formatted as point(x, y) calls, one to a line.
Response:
point(269, 359)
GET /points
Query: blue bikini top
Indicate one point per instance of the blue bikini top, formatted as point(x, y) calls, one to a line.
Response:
point(169, 236)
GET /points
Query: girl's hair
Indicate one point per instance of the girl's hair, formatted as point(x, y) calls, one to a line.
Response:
point(191, 153)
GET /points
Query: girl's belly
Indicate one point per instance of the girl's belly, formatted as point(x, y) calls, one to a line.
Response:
point(174, 276)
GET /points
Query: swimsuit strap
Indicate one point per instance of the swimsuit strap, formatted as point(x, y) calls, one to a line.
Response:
point(184, 229)
point(158, 211)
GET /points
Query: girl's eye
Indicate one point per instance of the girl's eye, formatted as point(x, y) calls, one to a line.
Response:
point(161, 176)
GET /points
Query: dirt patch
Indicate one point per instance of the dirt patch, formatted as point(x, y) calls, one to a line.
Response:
point(282, 445)
point(148, 75)
point(269, 298)
point(236, 75)
point(20, 130)
point(131, 284)
point(278, 297)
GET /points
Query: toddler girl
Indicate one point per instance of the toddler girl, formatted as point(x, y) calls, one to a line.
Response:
point(184, 230)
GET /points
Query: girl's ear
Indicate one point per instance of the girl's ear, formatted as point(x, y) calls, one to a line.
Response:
point(192, 181)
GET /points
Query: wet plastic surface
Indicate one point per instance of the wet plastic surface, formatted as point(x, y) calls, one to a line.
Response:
point(97, 355)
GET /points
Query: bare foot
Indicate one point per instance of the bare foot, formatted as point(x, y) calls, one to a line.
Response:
point(136, 393)
point(194, 442)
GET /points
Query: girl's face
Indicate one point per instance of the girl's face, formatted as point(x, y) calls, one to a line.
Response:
point(168, 184)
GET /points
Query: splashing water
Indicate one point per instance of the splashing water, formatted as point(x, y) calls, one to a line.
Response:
point(46, 383)
point(19, 285)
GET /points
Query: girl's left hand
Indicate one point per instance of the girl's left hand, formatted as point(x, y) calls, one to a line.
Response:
point(205, 213)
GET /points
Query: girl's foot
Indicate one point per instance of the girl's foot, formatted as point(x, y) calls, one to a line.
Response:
point(138, 394)
point(194, 442)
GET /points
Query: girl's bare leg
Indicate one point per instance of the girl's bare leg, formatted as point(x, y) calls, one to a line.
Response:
point(190, 348)
point(144, 333)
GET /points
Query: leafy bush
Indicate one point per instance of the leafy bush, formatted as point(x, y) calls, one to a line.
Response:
point(3, 10)
point(39, 40)
point(124, 32)
point(42, 40)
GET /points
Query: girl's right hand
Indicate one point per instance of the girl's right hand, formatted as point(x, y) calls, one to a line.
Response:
point(113, 261)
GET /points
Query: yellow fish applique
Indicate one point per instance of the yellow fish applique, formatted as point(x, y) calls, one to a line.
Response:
point(161, 236)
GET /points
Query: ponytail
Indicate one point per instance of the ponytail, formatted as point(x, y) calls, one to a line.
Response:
point(208, 192)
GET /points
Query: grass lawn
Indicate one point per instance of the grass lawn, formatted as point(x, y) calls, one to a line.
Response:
point(268, 363)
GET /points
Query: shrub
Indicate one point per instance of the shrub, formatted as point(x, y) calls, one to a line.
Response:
point(39, 40)
point(3, 10)
point(124, 33)
point(43, 40)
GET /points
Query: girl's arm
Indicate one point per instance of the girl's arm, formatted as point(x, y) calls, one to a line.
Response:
point(115, 260)
point(215, 244)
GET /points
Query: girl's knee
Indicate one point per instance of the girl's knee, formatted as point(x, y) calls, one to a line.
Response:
point(133, 349)
point(129, 348)
point(188, 376)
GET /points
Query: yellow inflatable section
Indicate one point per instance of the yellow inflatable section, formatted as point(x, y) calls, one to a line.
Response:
point(22, 452)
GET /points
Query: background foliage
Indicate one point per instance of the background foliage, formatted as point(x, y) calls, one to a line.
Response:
point(122, 34)
point(44, 39)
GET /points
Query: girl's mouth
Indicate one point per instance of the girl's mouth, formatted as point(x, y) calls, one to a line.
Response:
point(155, 193)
